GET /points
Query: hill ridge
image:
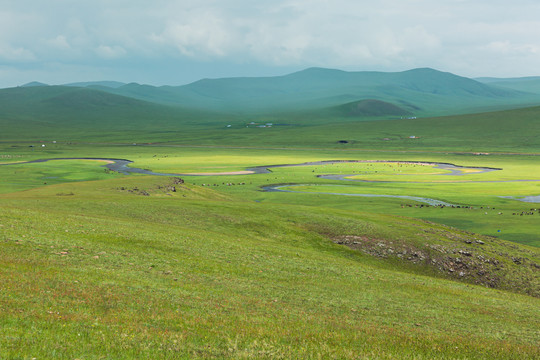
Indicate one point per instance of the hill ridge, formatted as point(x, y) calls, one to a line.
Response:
point(433, 91)
point(429, 91)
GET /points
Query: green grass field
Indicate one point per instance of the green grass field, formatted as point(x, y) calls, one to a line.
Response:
point(91, 269)
point(97, 264)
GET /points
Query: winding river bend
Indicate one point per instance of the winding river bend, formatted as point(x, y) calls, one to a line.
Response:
point(122, 166)
point(279, 188)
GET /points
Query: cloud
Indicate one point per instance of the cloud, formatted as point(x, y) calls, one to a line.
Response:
point(201, 35)
point(110, 52)
point(15, 54)
point(462, 36)
point(59, 42)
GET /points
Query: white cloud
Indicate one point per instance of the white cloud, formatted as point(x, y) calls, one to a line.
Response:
point(13, 54)
point(199, 36)
point(466, 37)
point(110, 52)
point(506, 48)
point(60, 42)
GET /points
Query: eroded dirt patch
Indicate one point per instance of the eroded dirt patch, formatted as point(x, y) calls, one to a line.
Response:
point(467, 258)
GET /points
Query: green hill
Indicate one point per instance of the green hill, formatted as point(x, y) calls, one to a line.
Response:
point(34, 112)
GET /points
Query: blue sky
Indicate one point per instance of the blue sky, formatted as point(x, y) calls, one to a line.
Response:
point(179, 41)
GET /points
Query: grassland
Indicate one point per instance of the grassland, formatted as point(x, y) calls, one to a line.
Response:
point(477, 190)
point(514, 131)
point(97, 264)
point(92, 269)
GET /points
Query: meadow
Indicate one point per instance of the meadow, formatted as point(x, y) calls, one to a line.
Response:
point(471, 189)
point(99, 264)
point(93, 269)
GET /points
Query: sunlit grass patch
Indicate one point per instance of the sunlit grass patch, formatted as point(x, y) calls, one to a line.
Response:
point(26, 176)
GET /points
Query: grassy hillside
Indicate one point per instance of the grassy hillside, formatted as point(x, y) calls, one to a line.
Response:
point(127, 268)
point(500, 131)
point(503, 131)
point(62, 112)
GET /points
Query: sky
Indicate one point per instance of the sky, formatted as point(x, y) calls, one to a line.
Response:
point(175, 42)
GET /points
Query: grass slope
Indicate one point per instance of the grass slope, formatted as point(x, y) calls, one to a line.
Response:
point(112, 271)
point(503, 131)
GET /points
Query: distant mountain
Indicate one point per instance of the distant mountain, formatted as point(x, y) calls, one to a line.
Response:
point(420, 92)
point(429, 91)
point(528, 84)
point(34, 84)
point(97, 84)
point(85, 99)
point(489, 80)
